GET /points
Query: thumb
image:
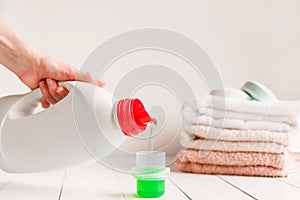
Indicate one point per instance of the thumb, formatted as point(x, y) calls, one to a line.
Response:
point(87, 77)
point(68, 73)
point(61, 71)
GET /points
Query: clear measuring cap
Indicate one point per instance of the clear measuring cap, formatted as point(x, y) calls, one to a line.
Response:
point(150, 159)
point(150, 173)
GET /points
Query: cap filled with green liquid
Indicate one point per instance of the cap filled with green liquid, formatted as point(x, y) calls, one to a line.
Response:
point(150, 173)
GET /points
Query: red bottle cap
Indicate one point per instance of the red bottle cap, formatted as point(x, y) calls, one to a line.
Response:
point(132, 116)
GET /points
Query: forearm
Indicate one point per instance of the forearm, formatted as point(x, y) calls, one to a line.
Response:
point(35, 69)
point(15, 53)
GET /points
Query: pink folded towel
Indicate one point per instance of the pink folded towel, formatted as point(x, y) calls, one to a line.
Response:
point(236, 159)
point(212, 133)
point(192, 167)
point(188, 141)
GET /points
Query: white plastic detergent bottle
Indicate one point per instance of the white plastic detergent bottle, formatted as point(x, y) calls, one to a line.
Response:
point(89, 122)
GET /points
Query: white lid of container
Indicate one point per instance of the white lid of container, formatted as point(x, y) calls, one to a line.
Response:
point(259, 92)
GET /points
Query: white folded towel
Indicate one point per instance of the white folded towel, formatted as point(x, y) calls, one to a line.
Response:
point(234, 113)
point(211, 133)
point(281, 108)
point(219, 114)
point(231, 123)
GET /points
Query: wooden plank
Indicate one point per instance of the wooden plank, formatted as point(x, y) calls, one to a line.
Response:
point(293, 177)
point(44, 186)
point(128, 186)
point(93, 181)
point(264, 188)
point(198, 186)
point(4, 178)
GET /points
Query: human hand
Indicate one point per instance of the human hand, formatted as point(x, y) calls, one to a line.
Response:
point(35, 69)
point(46, 75)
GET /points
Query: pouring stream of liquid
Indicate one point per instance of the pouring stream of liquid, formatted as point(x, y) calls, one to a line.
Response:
point(152, 131)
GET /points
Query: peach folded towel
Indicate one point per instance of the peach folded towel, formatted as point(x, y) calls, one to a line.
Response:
point(192, 167)
point(235, 159)
point(188, 141)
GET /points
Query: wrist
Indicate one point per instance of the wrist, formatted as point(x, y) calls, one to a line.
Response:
point(15, 53)
point(28, 67)
point(27, 61)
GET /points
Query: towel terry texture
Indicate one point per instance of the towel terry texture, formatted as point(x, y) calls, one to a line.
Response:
point(240, 124)
point(234, 159)
point(236, 137)
point(279, 108)
point(230, 170)
point(242, 114)
point(212, 133)
point(232, 146)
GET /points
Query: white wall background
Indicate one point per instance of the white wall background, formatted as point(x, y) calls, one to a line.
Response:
point(257, 40)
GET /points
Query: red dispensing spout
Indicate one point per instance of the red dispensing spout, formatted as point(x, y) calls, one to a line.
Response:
point(132, 116)
point(141, 116)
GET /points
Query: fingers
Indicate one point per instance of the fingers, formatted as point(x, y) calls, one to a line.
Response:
point(52, 88)
point(51, 92)
point(44, 103)
point(45, 92)
point(62, 91)
point(101, 84)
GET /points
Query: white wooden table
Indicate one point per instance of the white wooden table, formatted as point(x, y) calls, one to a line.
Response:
point(95, 182)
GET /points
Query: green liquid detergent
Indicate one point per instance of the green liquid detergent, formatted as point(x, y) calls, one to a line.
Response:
point(150, 170)
point(150, 188)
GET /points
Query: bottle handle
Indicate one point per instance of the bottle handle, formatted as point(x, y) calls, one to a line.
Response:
point(37, 141)
point(27, 105)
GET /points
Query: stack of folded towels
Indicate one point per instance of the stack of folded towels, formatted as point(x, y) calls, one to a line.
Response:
point(236, 137)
